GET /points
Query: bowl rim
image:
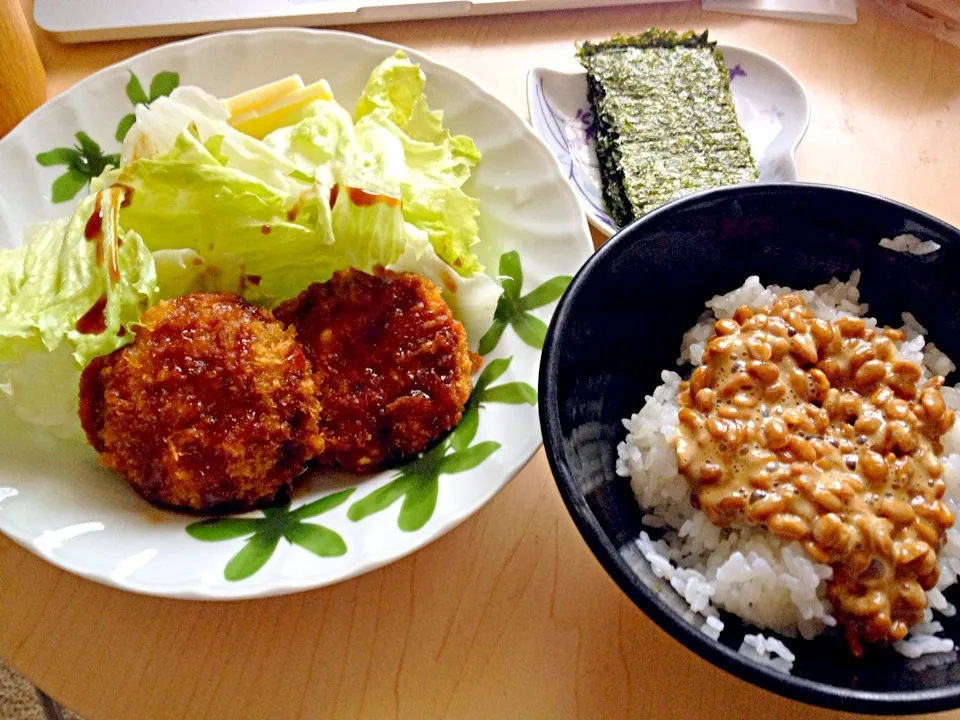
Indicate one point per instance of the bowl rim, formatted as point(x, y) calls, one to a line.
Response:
point(795, 688)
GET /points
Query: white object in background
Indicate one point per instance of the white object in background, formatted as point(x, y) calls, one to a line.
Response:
point(839, 12)
point(86, 20)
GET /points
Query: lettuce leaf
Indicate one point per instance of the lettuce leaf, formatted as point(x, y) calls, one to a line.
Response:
point(42, 390)
point(191, 110)
point(160, 123)
point(436, 164)
point(315, 144)
point(11, 273)
point(311, 198)
point(191, 199)
point(181, 272)
point(64, 300)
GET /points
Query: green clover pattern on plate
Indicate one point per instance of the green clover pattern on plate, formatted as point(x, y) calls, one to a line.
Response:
point(86, 160)
point(514, 309)
point(418, 482)
point(163, 84)
point(265, 533)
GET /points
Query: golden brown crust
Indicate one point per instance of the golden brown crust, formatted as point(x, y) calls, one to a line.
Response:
point(392, 363)
point(212, 407)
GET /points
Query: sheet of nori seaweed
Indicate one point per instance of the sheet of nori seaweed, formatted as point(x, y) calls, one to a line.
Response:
point(666, 123)
point(608, 155)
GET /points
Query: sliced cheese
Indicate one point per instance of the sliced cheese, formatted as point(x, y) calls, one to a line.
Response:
point(260, 121)
point(263, 95)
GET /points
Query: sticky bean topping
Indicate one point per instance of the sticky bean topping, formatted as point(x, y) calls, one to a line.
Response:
point(821, 433)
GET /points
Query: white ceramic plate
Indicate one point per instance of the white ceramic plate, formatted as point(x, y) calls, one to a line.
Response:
point(57, 502)
point(771, 106)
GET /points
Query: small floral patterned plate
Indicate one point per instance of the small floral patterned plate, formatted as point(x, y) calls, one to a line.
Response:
point(57, 502)
point(771, 105)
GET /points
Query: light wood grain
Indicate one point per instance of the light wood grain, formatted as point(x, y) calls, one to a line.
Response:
point(508, 616)
point(22, 79)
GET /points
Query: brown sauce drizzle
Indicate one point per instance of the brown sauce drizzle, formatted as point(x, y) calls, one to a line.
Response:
point(358, 196)
point(448, 281)
point(93, 231)
point(94, 227)
point(362, 198)
point(113, 265)
point(293, 212)
point(94, 320)
point(127, 194)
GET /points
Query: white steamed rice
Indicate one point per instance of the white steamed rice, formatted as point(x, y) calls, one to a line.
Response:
point(909, 244)
point(746, 570)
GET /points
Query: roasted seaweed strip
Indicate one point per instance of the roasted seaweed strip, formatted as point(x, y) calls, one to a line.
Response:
point(666, 123)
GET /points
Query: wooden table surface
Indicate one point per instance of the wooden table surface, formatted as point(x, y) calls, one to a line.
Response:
point(509, 615)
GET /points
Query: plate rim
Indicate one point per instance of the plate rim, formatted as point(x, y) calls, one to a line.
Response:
point(304, 583)
point(610, 230)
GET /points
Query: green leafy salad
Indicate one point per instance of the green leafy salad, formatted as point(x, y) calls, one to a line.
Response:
point(199, 204)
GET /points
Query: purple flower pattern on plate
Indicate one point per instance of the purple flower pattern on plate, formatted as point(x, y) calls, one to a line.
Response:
point(584, 130)
point(585, 116)
point(737, 71)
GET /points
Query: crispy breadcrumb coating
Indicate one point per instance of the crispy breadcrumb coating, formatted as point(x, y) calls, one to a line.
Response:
point(393, 366)
point(213, 407)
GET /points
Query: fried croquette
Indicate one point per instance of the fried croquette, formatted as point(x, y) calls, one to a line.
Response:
point(393, 366)
point(213, 407)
